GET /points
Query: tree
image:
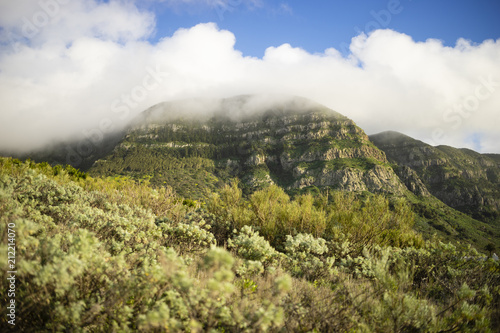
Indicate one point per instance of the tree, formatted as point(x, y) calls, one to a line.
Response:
point(490, 247)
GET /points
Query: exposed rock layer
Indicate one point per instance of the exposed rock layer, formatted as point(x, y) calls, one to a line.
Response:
point(295, 143)
point(461, 178)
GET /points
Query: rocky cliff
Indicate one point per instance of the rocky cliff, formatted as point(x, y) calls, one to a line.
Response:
point(461, 178)
point(292, 142)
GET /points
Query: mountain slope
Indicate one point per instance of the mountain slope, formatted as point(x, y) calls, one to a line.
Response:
point(292, 142)
point(461, 178)
point(196, 147)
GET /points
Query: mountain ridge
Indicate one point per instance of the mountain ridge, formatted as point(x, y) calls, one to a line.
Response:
point(462, 178)
point(198, 146)
point(295, 143)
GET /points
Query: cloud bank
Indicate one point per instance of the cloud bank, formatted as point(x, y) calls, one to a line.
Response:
point(70, 68)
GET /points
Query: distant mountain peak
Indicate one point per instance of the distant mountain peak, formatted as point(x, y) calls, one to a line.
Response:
point(394, 137)
point(237, 108)
point(261, 139)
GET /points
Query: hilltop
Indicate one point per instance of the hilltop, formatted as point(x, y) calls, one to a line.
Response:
point(294, 143)
point(198, 146)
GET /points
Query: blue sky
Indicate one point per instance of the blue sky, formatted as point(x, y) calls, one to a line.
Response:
point(318, 25)
point(428, 69)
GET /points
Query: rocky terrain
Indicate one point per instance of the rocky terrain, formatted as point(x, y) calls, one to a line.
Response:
point(461, 178)
point(295, 143)
point(196, 147)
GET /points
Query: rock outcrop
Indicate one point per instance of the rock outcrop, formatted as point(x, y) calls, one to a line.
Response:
point(292, 142)
point(461, 178)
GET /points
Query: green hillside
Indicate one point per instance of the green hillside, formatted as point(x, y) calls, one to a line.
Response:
point(293, 144)
point(461, 178)
point(247, 216)
point(103, 255)
point(296, 144)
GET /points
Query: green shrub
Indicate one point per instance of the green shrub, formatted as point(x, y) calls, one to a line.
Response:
point(190, 236)
point(248, 245)
point(116, 255)
point(307, 256)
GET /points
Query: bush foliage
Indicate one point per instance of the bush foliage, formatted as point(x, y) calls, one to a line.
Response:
point(116, 255)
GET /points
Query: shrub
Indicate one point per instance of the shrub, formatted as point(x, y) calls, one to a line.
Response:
point(191, 236)
point(248, 245)
point(307, 256)
point(88, 261)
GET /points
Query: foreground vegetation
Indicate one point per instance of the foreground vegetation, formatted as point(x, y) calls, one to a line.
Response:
point(115, 255)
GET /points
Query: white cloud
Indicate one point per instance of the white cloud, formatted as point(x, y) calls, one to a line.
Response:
point(90, 66)
point(37, 22)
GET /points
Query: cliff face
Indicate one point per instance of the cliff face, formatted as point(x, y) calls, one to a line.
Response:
point(293, 143)
point(461, 178)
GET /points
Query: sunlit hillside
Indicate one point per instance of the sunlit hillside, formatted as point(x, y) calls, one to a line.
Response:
point(111, 254)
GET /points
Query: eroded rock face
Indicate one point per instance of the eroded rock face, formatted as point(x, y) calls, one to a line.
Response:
point(461, 178)
point(377, 179)
point(296, 143)
point(332, 153)
point(410, 178)
point(256, 159)
point(315, 148)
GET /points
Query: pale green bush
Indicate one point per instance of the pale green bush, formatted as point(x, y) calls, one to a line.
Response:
point(307, 256)
point(88, 262)
point(191, 236)
point(249, 245)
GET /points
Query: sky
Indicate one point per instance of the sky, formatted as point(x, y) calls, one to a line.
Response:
point(79, 69)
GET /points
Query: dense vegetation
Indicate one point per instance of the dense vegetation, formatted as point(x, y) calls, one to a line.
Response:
point(315, 150)
point(198, 178)
point(116, 255)
point(197, 156)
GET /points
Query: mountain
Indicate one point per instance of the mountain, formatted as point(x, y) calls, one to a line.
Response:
point(292, 142)
point(197, 146)
point(461, 178)
point(164, 258)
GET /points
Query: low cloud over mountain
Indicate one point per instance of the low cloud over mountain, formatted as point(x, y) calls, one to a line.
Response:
point(68, 68)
